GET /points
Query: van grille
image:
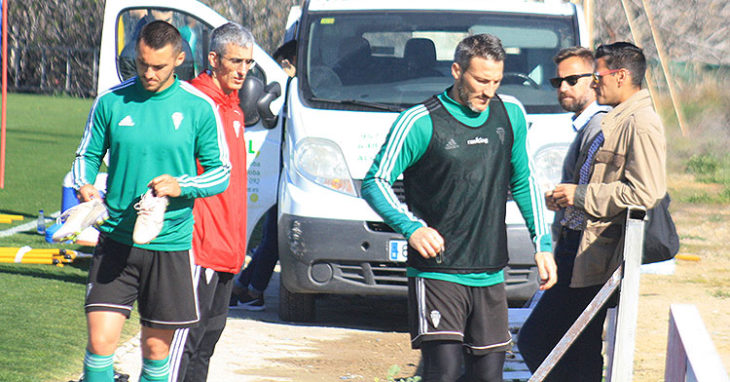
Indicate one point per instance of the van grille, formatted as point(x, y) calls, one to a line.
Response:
point(372, 273)
point(389, 273)
point(517, 275)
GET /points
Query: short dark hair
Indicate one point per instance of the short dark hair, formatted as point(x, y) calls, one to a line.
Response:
point(624, 55)
point(287, 51)
point(577, 51)
point(159, 34)
point(483, 45)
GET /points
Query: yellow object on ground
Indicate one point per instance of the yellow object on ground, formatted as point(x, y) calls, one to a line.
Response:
point(7, 219)
point(27, 255)
point(688, 257)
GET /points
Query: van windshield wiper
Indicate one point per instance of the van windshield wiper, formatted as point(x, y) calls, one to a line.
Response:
point(374, 105)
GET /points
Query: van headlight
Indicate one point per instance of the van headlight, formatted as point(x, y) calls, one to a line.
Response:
point(548, 162)
point(321, 161)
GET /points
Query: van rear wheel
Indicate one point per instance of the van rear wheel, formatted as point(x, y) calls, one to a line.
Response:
point(295, 307)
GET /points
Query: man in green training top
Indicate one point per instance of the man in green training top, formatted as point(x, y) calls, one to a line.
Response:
point(459, 153)
point(154, 128)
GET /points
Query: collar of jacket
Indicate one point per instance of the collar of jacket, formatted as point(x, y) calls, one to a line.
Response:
point(639, 100)
point(205, 83)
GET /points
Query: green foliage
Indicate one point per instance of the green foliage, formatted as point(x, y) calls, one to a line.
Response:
point(394, 370)
point(720, 293)
point(702, 165)
point(709, 168)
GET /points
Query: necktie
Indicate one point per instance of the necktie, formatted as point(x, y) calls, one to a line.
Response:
point(574, 218)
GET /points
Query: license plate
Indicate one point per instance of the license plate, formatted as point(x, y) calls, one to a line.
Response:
point(398, 250)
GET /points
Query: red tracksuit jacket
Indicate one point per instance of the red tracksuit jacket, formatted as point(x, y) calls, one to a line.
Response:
point(219, 235)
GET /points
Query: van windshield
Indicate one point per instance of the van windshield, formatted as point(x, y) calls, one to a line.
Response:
point(355, 60)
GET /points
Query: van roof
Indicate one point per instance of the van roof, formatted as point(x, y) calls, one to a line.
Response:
point(549, 7)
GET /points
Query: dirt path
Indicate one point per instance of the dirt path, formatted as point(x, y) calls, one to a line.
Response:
point(357, 339)
point(365, 339)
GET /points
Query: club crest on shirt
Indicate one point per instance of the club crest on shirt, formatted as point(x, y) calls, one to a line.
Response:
point(435, 318)
point(237, 128)
point(177, 118)
point(500, 132)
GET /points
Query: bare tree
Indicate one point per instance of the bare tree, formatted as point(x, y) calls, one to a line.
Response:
point(265, 18)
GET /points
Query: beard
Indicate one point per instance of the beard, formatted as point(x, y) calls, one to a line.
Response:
point(464, 95)
point(574, 105)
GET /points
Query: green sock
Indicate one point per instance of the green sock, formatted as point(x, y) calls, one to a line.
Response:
point(155, 370)
point(98, 368)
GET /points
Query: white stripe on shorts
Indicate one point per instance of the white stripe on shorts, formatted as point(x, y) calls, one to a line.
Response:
point(177, 348)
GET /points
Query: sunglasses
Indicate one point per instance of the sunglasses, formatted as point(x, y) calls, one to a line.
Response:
point(571, 80)
point(597, 75)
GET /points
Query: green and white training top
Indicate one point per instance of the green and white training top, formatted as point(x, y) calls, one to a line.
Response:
point(146, 135)
point(457, 166)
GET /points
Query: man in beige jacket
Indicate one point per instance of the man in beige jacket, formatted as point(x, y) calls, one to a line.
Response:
point(623, 165)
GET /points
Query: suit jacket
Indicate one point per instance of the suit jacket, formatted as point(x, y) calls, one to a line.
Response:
point(575, 156)
point(629, 169)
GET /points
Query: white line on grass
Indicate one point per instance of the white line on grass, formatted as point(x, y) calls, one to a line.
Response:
point(24, 227)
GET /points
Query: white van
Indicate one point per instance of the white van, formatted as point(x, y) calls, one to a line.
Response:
point(359, 63)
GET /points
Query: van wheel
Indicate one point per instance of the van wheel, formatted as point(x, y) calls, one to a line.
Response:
point(295, 307)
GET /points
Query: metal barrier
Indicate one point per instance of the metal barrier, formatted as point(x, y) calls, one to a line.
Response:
point(691, 356)
point(621, 344)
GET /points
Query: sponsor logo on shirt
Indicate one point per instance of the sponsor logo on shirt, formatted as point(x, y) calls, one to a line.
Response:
point(451, 145)
point(478, 141)
point(177, 118)
point(126, 121)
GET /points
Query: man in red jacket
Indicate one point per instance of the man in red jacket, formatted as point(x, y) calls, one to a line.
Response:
point(219, 236)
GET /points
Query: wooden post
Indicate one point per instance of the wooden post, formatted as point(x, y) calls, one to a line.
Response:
point(43, 67)
point(691, 354)
point(588, 9)
point(665, 69)
point(4, 91)
point(95, 59)
point(67, 85)
point(622, 360)
point(676, 361)
point(637, 39)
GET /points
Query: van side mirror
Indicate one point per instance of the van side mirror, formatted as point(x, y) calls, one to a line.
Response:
point(272, 91)
point(256, 101)
point(249, 95)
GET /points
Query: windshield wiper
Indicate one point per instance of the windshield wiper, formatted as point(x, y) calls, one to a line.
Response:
point(355, 102)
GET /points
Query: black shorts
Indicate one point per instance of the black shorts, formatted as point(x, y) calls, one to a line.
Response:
point(476, 316)
point(160, 281)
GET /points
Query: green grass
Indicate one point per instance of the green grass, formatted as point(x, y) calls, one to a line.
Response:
point(719, 293)
point(42, 323)
point(702, 152)
point(42, 135)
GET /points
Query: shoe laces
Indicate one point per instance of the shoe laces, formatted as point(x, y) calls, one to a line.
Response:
point(149, 203)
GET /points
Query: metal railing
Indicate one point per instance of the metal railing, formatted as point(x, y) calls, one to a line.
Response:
point(626, 277)
point(691, 355)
